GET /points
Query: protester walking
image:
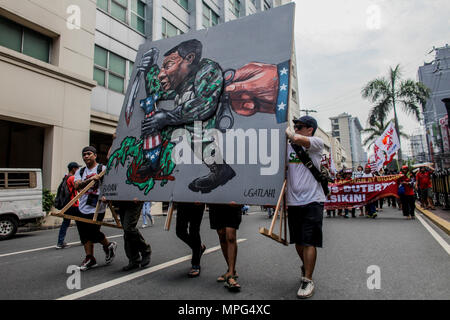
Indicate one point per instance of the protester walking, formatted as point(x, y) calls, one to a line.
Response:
point(66, 192)
point(137, 250)
point(305, 198)
point(90, 233)
point(371, 210)
point(146, 213)
point(225, 219)
point(406, 193)
point(189, 219)
point(424, 187)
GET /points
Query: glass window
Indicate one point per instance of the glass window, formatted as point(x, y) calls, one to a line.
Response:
point(130, 67)
point(169, 30)
point(214, 18)
point(210, 18)
point(137, 23)
point(100, 56)
point(36, 45)
point(10, 35)
point(115, 83)
point(102, 4)
point(99, 76)
point(116, 64)
point(184, 3)
point(122, 2)
point(138, 15)
point(118, 11)
point(24, 40)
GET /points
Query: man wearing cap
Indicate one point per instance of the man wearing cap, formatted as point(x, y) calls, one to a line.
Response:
point(90, 233)
point(305, 200)
point(69, 178)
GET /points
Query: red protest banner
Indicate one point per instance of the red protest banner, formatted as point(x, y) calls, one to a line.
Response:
point(359, 192)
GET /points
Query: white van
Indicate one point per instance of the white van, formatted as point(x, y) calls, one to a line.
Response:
point(20, 199)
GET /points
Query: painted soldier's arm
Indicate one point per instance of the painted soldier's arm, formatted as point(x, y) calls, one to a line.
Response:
point(207, 90)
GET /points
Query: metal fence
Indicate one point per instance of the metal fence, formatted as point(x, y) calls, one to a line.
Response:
point(441, 187)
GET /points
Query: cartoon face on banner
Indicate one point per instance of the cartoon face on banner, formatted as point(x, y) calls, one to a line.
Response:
point(204, 115)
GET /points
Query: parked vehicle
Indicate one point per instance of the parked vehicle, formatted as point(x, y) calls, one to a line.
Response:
point(20, 199)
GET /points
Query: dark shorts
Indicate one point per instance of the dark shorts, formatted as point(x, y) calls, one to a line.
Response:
point(88, 231)
point(224, 216)
point(305, 224)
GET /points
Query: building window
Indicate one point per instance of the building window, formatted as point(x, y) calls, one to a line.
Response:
point(119, 9)
point(134, 16)
point(110, 69)
point(169, 30)
point(210, 18)
point(138, 15)
point(183, 3)
point(235, 7)
point(24, 40)
point(266, 6)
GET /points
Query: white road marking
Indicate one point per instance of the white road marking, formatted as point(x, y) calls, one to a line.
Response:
point(49, 247)
point(133, 276)
point(435, 235)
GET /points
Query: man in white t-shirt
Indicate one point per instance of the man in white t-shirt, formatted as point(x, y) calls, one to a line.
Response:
point(90, 233)
point(305, 199)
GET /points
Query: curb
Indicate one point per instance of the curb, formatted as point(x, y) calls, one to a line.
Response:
point(441, 223)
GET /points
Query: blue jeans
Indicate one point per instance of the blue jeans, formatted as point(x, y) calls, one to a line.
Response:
point(65, 224)
point(146, 212)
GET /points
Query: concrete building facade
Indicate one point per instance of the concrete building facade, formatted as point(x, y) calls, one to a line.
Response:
point(347, 130)
point(45, 87)
point(436, 76)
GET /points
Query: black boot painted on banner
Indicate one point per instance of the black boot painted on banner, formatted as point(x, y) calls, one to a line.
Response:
point(219, 175)
point(148, 170)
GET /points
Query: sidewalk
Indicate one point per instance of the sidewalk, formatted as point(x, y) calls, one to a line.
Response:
point(439, 217)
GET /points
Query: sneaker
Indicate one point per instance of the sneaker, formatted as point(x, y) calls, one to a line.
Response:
point(306, 289)
point(110, 252)
point(144, 226)
point(62, 246)
point(374, 215)
point(88, 263)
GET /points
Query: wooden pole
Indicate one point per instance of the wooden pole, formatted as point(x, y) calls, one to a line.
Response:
point(114, 214)
point(169, 217)
point(277, 209)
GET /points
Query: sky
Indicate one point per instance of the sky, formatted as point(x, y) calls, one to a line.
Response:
point(341, 45)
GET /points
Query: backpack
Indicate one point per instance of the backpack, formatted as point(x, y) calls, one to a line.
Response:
point(99, 170)
point(63, 195)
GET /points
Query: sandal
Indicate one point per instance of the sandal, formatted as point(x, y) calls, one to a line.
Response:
point(223, 279)
point(194, 272)
point(232, 286)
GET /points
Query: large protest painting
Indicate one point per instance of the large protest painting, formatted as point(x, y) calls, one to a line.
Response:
point(204, 115)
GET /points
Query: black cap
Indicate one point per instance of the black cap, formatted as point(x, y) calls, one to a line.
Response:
point(308, 121)
point(72, 165)
point(89, 148)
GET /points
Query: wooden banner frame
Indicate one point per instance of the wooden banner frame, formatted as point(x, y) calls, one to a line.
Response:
point(61, 213)
point(280, 209)
point(169, 216)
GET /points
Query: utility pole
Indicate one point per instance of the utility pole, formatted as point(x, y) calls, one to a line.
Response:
point(308, 111)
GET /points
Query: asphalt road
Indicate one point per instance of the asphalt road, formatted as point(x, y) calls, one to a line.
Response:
point(412, 264)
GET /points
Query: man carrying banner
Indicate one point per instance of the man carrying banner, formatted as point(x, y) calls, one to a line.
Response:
point(305, 200)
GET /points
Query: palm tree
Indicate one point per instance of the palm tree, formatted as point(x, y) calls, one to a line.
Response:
point(375, 130)
point(387, 93)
